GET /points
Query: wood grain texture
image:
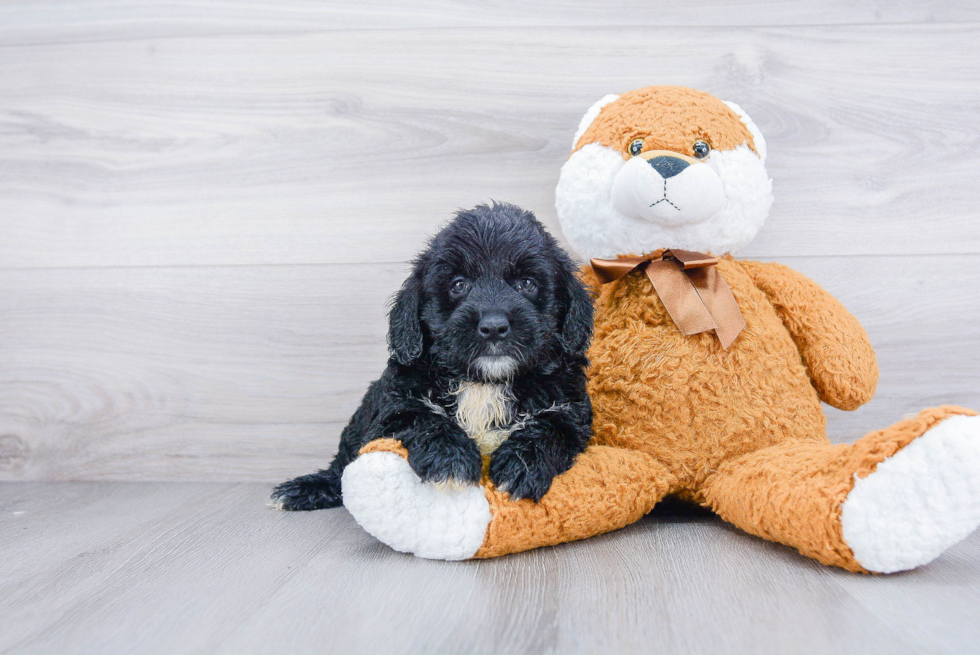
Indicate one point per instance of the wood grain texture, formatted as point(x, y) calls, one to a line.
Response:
point(350, 145)
point(66, 21)
point(250, 373)
point(206, 567)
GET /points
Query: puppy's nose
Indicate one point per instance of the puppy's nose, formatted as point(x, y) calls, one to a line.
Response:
point(668, 166)
point(494, 326)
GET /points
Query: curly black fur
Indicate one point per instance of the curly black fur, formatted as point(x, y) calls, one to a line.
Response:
point(493, 298)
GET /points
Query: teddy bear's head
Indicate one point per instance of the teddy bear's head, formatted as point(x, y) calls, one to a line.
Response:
point(663, 167)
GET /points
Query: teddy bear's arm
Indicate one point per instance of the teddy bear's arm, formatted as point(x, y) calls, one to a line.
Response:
point(835, 348)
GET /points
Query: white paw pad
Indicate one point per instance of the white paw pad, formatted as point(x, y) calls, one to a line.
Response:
point(918, 502)
point(385, 496)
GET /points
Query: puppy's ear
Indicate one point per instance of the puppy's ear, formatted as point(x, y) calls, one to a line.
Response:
point(404, 329)
point(576, 328)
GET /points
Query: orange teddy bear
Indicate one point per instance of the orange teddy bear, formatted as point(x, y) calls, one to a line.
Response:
point(707, 374)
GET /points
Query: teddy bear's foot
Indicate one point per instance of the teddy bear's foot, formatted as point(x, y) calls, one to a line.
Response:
point(389, 500)
point(918, 502)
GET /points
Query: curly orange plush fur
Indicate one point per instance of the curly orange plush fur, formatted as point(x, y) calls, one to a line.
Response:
point(667, 118)
point(739, 430)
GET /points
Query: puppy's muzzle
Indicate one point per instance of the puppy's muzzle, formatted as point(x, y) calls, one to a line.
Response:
point(666, 187)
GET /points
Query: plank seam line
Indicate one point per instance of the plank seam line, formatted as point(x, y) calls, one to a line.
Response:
point(960, 25)
point(5, 269)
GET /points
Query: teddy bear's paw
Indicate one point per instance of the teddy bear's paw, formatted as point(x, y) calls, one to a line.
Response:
point(429, 520)
point(919, 502)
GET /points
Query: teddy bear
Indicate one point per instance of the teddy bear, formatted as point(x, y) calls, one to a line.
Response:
point(706, 377)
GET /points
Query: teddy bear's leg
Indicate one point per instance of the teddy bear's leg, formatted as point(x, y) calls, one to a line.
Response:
point(895, 499)
point(607, 488)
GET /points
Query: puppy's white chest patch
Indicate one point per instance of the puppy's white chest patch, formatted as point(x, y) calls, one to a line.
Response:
point(485, 412)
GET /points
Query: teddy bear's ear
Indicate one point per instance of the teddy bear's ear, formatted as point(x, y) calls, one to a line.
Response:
point(760, 141)
point(591, 116)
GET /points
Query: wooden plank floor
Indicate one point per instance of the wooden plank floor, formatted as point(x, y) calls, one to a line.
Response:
point(109, 567)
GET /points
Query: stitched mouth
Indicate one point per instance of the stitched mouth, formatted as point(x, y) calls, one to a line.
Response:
point(664, 199)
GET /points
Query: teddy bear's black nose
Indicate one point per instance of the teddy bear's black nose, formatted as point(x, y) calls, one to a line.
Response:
point(494, 326)
point(668, 166)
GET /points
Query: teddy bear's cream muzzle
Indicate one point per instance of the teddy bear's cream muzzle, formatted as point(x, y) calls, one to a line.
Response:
point(667, 188)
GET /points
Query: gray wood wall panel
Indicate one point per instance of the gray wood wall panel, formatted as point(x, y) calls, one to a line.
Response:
point(203, 207)
point(68, 20)
point(251, 372)
point(349, 146)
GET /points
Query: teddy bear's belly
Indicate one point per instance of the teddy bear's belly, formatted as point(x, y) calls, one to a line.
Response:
point(688, 402)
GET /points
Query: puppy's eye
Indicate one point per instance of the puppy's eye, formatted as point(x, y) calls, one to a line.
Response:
point(636, 147)
point(527, 285)
point(459, 286)
point(701, 149)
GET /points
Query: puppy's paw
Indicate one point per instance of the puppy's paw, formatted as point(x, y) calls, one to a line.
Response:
point(522, 468)
point(445, 460)
point(318, 490)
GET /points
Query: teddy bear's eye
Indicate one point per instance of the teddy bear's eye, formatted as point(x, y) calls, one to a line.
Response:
point(636, 147)
point(701, 149)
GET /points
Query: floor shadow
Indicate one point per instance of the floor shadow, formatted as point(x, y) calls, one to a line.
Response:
point(675, 510)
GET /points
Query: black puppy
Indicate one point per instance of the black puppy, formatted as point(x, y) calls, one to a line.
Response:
point(487, 340)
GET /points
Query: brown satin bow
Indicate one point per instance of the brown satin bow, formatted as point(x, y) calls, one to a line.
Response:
point(696, 296)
